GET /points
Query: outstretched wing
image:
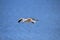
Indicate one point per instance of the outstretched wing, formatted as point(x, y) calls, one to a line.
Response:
point(34, 19)
point(19, 20)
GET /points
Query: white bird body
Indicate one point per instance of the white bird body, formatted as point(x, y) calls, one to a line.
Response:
point(27, 20)
point(23, 20)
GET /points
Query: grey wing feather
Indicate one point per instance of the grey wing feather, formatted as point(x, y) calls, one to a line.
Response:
point(35, 19)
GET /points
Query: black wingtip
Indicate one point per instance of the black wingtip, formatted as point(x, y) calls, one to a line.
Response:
point(32, 22)
point(19, 20)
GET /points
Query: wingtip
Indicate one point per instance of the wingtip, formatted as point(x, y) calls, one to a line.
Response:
point(33, 22)
point(19, 20)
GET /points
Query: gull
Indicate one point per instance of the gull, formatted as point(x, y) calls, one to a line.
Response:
point(32, 20)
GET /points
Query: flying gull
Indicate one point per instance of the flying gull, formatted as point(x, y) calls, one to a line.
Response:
point(32, 20)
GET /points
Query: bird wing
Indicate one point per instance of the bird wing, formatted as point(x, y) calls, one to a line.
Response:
point(34, 19)
point(19, 20)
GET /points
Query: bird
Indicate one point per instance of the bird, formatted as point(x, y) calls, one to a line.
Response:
point(32, 20)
